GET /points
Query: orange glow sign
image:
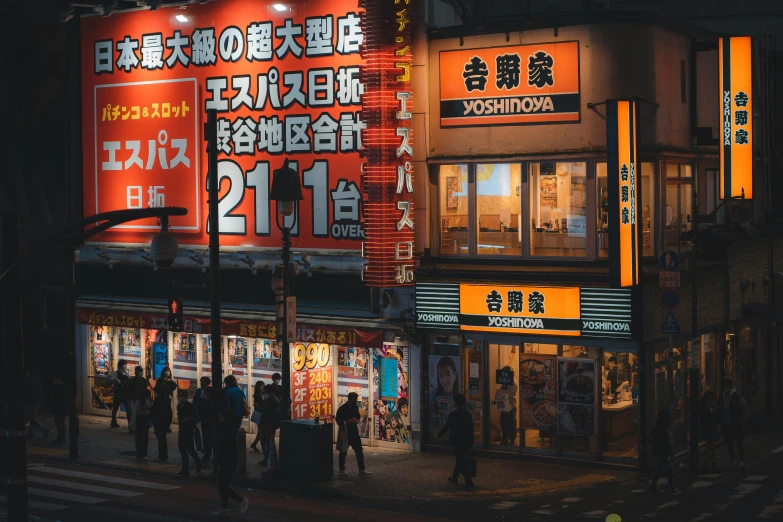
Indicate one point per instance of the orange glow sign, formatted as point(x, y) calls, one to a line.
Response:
point(625, 193)
point(284, 84)
point(520, 309)
point(736, 109)
point(511, 85)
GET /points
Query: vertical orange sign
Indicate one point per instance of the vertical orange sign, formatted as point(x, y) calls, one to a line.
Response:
point(736, 108)
point(624, 192)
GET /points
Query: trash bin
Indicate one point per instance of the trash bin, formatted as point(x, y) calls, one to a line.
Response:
point(306, 452)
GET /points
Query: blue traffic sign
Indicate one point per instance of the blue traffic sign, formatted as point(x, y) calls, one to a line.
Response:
point(669, 260)
point(670, 324)
point(670, 298)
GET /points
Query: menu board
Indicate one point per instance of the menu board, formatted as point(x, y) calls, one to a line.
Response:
point(538, 392)
point(311, 380)
point(576, 393)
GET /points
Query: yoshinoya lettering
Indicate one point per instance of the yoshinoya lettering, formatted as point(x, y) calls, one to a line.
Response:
point(523, 105)
point(727, 118)
point(438, 318)
point(516, 322)
point(606, 326)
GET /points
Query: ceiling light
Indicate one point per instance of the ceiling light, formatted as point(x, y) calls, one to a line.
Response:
point(181, 18)
point(280, 8)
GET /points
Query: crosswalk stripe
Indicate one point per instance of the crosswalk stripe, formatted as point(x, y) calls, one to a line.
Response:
point(64, 496)
point(82, 487)
point(755, 478)
point(104, 478)
point(46, 506)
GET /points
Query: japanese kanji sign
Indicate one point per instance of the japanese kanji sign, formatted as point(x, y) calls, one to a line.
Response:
point(517, 84)
point(736, 109)
point(624, 178)
point(284, 85)
point(518, 309)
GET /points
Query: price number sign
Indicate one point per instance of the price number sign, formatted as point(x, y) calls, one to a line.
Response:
point(311, 380)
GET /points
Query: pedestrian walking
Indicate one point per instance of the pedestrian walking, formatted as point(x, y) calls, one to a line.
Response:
point(258, 407)
point(662, 446)
point(708, 417)
point(137, 385)
point(59, 408)
point(143, 410)
point(270, 420)
point(188, 421)
point(348, 419)
point(33, 400)
point(460, 427)
point(226, 457)
point(203, 403)
point(121, 380)
point(276, 379)
point(233, 403)
point(733, 411)
point(161, 411)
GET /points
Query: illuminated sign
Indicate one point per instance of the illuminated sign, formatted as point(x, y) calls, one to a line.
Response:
point(283, 84)
point(736, 109)
point(388, 144)
point(517, 84)
point(625, 193)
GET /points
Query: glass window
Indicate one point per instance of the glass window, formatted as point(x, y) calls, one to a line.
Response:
point(499, 230)
point(185, 371)
point(352, 376)
point(558, 209)
point(101, 365)
point(619, 406)
point(679, 216)
point(648, 209)
point(453, 183)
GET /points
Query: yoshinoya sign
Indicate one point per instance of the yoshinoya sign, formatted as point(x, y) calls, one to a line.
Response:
point(511, 85)
point(542, 310)
point(735, 78)
point(284, 84)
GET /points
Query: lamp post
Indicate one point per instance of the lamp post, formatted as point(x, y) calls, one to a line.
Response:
point(287, 191)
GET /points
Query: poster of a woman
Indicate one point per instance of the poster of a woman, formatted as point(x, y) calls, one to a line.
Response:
point(444, 373)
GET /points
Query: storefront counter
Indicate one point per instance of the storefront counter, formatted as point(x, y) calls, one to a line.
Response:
point(618, 419)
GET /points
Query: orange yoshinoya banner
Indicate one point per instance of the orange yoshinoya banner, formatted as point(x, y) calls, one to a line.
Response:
point(735, 78)
point(284, 80)
point(517, 84)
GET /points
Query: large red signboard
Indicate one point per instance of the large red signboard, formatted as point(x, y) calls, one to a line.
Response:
point(285, 84)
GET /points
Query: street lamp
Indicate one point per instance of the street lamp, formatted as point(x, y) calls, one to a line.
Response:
point(287, 192)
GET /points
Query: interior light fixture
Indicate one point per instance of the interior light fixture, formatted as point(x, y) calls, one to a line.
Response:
point(280, 8)
point(181, 18)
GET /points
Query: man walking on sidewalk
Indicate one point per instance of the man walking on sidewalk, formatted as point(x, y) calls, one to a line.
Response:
point(203, 403)
point(460, 428)
point(188, 418)
point(137, 385)
point(733, 412)
point(121, 379)
point(348, 418)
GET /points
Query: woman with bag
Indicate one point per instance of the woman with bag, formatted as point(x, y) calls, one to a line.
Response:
point(662, 444)
point(258, 407)
point(460, 428)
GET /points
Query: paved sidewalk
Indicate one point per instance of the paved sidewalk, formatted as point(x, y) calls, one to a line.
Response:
point(399, 475)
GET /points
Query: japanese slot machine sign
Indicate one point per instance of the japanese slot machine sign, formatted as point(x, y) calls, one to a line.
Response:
point(285, 85)
point(625, 192)
point(518, 309)
point(311, 380)
point(736, 108)
point(511, 85)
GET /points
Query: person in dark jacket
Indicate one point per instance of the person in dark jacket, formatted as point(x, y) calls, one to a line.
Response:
point(161, 411)
point(258, 407)
point(226, 457)
point(33, 400)
point(270, 420)
point(136, 387)
point(348, 418)
point(662, 446)
point(733, 412)
point(233, 402)
point(460, 428)
point(708, 417)
point(188, 421)
point(143, 411)
point(203, 403)
point(121, 379)
point(59, 408)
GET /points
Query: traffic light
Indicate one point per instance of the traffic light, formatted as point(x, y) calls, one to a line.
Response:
point(175, 314)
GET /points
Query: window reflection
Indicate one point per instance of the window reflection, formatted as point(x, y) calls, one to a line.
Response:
point(558, 209)
point(453, 188)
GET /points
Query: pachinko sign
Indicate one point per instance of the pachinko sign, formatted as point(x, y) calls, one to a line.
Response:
point(285, 81)
point(511, 85)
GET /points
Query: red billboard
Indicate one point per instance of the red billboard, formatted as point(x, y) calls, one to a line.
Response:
point(285, 81)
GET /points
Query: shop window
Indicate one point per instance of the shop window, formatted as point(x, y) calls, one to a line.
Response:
point(558, 209)
point(206, 356)
point(130, 347)
point(237, 360)
point(185, 371)
point(498, 209)
point(619, 404)
point(578, 381)
point(353, 365)
point(648, 209)
point(445, 379)
point(453, 185)
point(391, 413)
point(678, 217)
point(101, 365)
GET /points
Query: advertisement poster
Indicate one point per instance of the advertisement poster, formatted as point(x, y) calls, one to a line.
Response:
point(284, 85)
point(311, 380)
point(444, 383)
point(391, 416)
point(538, 392)
point(266, 354)
point(576, 390)
point(160, 355)
point(102, 357)
point(352, 376)
point(130, 342)
point(352, 362)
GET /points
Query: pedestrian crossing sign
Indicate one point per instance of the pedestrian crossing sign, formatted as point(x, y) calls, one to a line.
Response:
point(670, 324)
